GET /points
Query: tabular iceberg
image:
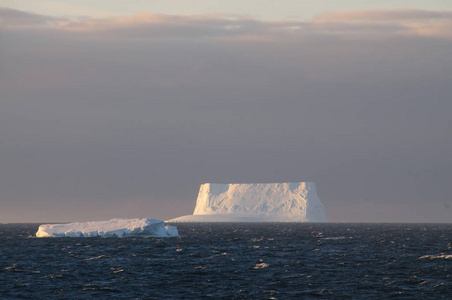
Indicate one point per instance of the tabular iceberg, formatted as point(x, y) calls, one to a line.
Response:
point(260, 202)
point(111, 228)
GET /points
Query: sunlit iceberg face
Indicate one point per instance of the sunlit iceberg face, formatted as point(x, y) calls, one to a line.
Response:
point(257, 202)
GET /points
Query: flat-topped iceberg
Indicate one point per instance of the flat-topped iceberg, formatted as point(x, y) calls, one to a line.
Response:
point(111, 228)
point(257, 202)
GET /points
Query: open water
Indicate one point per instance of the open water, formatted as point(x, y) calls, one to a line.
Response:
point(233, 261)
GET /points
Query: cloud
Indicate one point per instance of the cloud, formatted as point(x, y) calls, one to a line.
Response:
point(165, 26)
point(382, 15)
point(406, 22)
point(347, 24)
point(12, 18)
point(147, 25)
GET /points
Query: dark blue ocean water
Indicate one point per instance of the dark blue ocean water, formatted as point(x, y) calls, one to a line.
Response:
point(233, 261)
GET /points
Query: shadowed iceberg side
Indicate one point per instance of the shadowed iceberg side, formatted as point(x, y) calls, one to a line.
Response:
point(257, 202)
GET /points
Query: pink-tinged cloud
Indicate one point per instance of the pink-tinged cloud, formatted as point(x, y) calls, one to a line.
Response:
point(348, 24)
point(400, 22)
point(398, 15)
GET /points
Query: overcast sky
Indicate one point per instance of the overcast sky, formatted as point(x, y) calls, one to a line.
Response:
point(109, 110)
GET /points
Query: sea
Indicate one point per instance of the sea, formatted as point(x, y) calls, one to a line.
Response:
point(233, 261)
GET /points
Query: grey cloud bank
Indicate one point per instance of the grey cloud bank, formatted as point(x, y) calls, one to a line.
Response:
point(117, 125)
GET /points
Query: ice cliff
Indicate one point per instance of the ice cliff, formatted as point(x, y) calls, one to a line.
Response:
point(261, 202)
point(113, 227)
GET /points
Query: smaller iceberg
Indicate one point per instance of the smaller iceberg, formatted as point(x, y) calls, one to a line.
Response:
point(110, 228)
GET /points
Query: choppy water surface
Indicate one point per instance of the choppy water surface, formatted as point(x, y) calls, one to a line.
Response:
point(233, 261)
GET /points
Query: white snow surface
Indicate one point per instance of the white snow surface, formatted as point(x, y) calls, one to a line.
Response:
point(110, 228)
point(257, 202)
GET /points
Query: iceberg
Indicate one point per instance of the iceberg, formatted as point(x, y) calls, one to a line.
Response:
point(257, 202)
point(111, 228)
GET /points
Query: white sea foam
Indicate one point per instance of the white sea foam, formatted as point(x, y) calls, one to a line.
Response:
point(444, 256)
point(260, 265)
point(334, 238)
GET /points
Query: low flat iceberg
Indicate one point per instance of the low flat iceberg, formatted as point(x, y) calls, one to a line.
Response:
point(110, 228)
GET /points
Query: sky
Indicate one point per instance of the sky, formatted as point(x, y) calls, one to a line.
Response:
point(258, 9)
point(115, 109)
